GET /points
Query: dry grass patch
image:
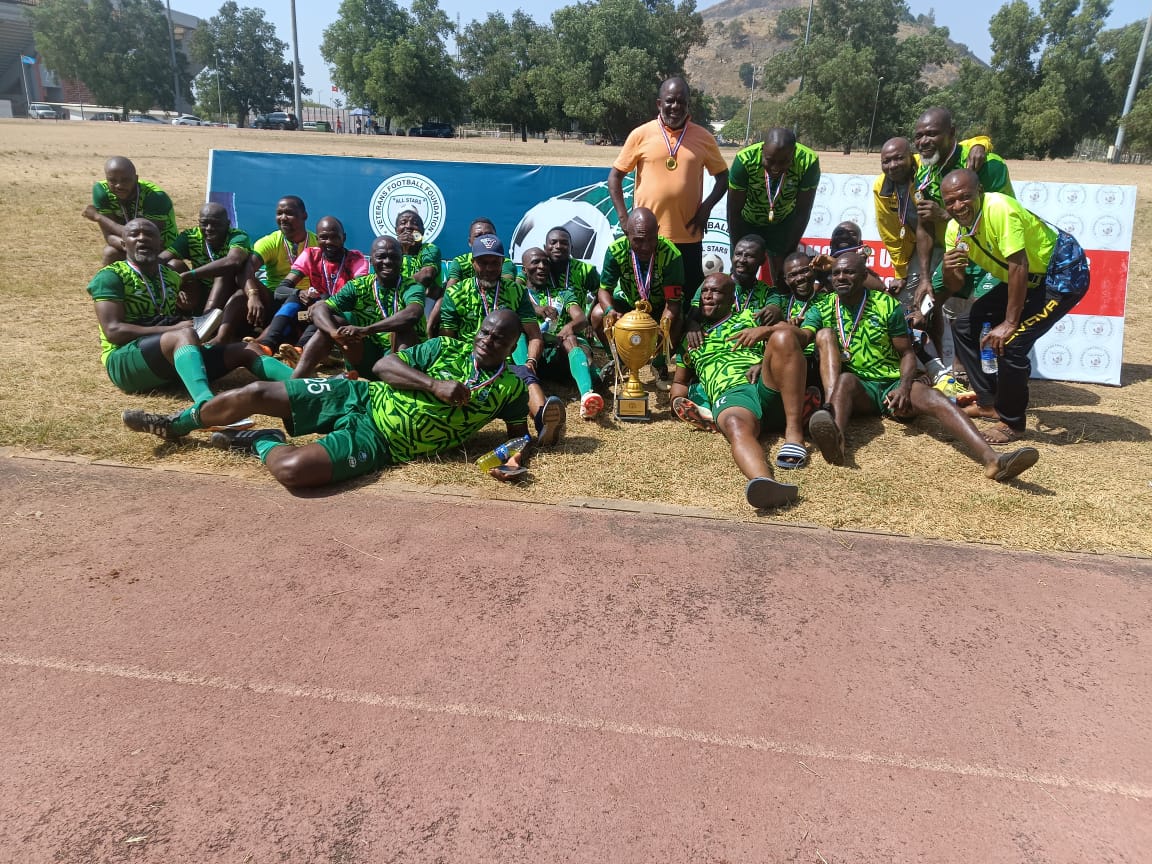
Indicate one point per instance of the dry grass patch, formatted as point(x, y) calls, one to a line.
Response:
point(1091, 491)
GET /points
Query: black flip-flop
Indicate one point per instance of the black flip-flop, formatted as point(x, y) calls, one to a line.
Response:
point(1011, 465)
point(764, 493)
point(826, 435)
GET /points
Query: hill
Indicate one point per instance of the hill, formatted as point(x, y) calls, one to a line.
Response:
point(744, 31)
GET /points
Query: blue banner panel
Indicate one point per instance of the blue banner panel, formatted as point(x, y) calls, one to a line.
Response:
point(366, 194)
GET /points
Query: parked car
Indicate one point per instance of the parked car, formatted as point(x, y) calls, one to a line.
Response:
point(113, 116)
point(188, 120)
point(432, 130)
point(316, 126)
point(40, 111)
point(145, 118)
point(275, 120)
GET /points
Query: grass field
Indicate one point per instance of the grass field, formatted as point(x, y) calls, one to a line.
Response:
point(1091, 491)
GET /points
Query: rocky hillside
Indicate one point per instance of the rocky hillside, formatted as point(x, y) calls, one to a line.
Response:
point(744, 31)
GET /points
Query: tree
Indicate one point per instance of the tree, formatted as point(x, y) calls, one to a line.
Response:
point(241, 47)
point(611, 56)
point(747, 74)
point(119, 51)
point(393, 60)
point(500, 61)
point(728, 106)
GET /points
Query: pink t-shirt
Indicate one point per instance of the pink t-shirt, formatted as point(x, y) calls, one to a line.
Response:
point(328, 277)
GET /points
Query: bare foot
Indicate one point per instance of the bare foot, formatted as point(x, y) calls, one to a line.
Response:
point(985, 412)
point(1002, 434)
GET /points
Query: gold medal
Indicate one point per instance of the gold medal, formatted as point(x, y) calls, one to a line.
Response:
point(771, 215)
point(962, 246)
point(670, 163)
point(903, 231)
point(845, 355)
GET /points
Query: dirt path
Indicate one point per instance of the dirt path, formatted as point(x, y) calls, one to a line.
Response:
point(202, 669)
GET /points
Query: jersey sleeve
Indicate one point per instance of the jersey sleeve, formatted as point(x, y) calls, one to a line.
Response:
point(897, 324)
point(421, 356)
point(106, 285)
point(713, 158)
point(525, 309)
point(180, 246)
point(516, 410)
point(100, 197)
point(810, 179)
point(813, 319)
point(738, 174)
point(674, 273)
point(449, 317)
point(994, 175)
point(343, 300)
point(163, 213)
point(508, 269)
point(629, 156)
point(238, 239)
point(413, 293)
point(609, 273)
point(266, 248)
point(303, 264)
point(454, 271)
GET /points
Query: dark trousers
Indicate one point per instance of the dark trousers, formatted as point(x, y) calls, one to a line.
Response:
point(1007, 388)
point(692, 254)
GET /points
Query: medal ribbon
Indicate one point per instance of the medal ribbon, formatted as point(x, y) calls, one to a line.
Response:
point(846, 339)
point(484, 299)
point(961, 236)
point(151, 295)
point(379, 302)
point(772, 196)
point(293, 249)
point(330, 282)
point(643, 286)
point(902, 210)
point(567, 274)
point(473, 383)
point(792, 302)
point(668, 141)
point(135, 207)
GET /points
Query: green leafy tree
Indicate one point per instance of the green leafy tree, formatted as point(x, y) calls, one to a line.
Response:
point(728, 106)
point(1138, 123)
point(501, 62)
point(394, 60)
point(611, 56)
point(747, 74)
point(240, 45)
point(120, 51)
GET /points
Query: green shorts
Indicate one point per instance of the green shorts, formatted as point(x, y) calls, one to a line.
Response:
point(340, 410)
point(764, 404)
point(554, 361)
point(776, 235)
point(878, 391)
point(141, 366)
point(372, 353)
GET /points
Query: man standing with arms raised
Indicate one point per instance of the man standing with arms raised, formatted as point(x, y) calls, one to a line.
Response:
point(669, 155)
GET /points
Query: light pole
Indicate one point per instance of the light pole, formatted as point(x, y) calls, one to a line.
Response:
point(219, 98)
point(296, 68)
point(1132, 86)
point(172, 52)
point(875, 105)
point(751, 93)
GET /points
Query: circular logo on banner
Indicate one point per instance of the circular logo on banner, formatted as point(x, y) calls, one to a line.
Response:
point(1098, 328)
point(1109, 196)
point(1107, 230)
point(821, 218)
point(1033, 194)
point(1072, 224)
point(856, 187)
point(1057, 357)
point(1063, 327)
point(407, 191)
point(827, 186)
point(1071, 195)
point(854, 214)
point(1096, 359)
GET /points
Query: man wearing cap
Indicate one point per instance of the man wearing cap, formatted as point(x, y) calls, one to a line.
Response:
point(670, 155)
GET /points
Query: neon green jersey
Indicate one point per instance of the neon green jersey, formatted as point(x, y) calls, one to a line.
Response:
point(880, 317)
point(747, 175)
point(719, 363)
point(144, 298)
point(364, 301)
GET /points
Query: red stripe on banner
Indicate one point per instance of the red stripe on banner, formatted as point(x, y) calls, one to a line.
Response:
point(1105, 296)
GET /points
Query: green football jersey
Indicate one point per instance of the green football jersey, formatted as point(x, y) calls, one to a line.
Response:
point(191, 246)
point(747, 175)
point(618, 277)
point(150, 202)
point(880, 317)
point(582, 279)
point(464, 308)
point(364, 301)
point(993, 176)
point(793, 307)
point(144, 299)
point(559, 299)
point(719, 363)
point(418, 424)
point(428, 255)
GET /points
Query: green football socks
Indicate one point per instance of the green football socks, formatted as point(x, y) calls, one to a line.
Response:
point(578, 364)
point(270, 369)
point(189, 365)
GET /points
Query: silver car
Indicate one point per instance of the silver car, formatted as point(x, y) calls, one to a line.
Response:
point(187, 120)
point(41, 111)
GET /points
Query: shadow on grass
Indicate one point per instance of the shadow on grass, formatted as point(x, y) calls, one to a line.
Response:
point(1085, 427)
point(1135, 373)
point(1054, 393)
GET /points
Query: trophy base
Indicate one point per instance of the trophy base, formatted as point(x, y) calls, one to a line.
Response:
point(633, 409)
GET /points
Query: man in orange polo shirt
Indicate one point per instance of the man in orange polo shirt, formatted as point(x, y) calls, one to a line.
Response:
point(669, 155)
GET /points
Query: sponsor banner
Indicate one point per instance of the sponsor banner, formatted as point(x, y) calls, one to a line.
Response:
point(526, 201)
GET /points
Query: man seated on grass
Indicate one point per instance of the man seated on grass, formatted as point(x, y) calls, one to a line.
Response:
point(369, 317)
point(460, 268)
point(431, 398)
point(325, 268)
point(753, 376)
point(568, 273)
point(217, 253)
point(561, 319)
point(879, 374)
point(144, 343)
point(271, 260)
point(121, 197)
point(466, 303)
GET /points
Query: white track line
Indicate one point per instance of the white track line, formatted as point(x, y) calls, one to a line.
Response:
point(566, 721)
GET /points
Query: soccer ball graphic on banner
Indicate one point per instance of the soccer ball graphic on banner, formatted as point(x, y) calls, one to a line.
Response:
point(587, 214)
point(712, 263)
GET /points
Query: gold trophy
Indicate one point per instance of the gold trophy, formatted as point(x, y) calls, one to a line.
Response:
point(636, 337)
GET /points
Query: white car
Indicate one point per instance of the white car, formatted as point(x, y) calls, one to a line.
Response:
point(41, 111)
point(187, 120)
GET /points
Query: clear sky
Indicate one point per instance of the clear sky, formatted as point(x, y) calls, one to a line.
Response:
point(967, 22)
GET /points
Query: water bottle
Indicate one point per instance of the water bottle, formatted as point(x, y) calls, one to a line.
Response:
point(496, 458)
point(988, 361)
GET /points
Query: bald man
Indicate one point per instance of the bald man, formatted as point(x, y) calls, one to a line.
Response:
point(894, 199)
point(670, 156)
point(770, 192)
point(210, 259)
point(122, 196)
